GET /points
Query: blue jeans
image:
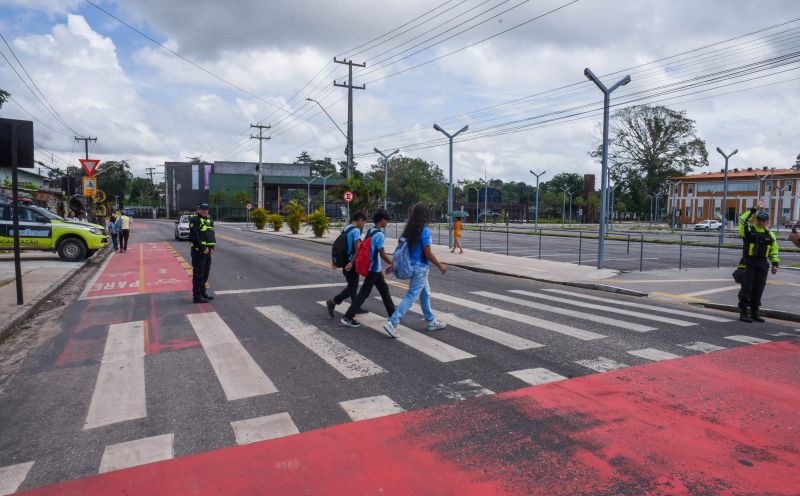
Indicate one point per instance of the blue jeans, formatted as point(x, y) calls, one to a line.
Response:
point(417, 286)
point(114, 239)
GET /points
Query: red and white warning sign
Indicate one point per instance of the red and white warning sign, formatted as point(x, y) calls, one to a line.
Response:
point(89, 165)
point(348, 196)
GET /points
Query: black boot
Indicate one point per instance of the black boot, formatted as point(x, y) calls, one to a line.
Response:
point(744, 318)
point(207, 296)
point(755, 317)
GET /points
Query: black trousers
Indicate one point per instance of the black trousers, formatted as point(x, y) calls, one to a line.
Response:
point(373, 279)
point(201, 266)
point(351, 276)
point(123, 240)
point(753, 283)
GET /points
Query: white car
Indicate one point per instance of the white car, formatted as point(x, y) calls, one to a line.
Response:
point(182, 227)
point(708, 225)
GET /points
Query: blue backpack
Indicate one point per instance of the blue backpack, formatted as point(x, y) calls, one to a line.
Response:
point(401, 261)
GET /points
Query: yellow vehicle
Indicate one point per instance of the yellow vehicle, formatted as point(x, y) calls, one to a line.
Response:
point(42, 230)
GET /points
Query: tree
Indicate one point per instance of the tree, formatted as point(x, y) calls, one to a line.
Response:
point(323, 168)
point(796, 165)
point(241, 198)
point(411, 180)
point(570, 180)
point(114, 178)
point(3, 97)
point(365, 192)
point(142, 191)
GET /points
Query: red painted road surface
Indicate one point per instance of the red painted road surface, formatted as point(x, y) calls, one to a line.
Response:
point(726, 423)
point(145, 268)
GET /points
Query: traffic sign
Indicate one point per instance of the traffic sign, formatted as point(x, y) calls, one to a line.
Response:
point(89, 165)
point(249, 206)
point(348, 196)
point(89, 186)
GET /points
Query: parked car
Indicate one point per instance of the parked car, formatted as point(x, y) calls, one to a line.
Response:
point(792, 223)
point(708, 225)
point(182, 227)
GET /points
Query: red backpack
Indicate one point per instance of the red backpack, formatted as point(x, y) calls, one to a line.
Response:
point(363, 260)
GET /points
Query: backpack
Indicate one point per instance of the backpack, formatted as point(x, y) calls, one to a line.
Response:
point(401, 261)
point(340, 255)
point(363, 260)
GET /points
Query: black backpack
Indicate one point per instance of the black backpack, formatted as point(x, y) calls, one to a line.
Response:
point(340, 256)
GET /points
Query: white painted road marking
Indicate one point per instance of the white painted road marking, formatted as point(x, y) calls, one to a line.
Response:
point(519, 317)
point(263, 428)
point(601, 364)
point(13, 476)
point(653, 354)
point(119, 393)
point(625, 303)
point(712, 291)
point(237, 372)
point(537, 376)
point(372, 407)
point(702, 347)
point(486, 332)
point(462, 390)
point(348, 362)
point(277, 288)
point(135, 453)
point(747, 339)
point(564, 311)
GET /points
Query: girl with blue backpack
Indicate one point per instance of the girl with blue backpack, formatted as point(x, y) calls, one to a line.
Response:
point(415, 251)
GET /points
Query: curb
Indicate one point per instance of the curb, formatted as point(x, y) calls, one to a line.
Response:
point(766, 312)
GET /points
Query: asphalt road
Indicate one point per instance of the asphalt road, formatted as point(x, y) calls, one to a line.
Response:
point(194, 389)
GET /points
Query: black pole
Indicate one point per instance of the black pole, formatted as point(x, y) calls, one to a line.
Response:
point(540, 243)
point(641, 254)
point(580, 246)
point(506, 237)
point(680, 254)
point(15, 212)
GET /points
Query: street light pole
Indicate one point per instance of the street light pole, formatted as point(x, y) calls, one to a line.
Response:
point(564, 205)
point(347, 138)
point(325, 194)
point(477, 202)
point(570, 193)
point(657, 195)
point(450, 183)
point(675, 201)
point(385, 173)
point(725, 193)
point(308, 183)
point(536, 221)
point(604, 171)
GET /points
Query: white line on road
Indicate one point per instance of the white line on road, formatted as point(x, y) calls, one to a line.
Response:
point(564, 311)
point(237, 372)
point(590, 260)
point(263, 428)
point(653, 354)
point(601, 364)
point(712, 291)
point(625, 303)
point(348, 362)
point(747, 339)
point(537, 376)
point(462, 390)
point(519, 317)
point(434, 348)
point(12, 476)
point(135, 453)
point(95, 277)
point(276, 288)
point(372, 407)
point(119, 393)
point(702, 347)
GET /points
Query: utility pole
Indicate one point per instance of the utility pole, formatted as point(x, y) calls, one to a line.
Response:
point(536, 221)
point(260, 138)
point(350, 88)
point(151, 172)
point(385, 173)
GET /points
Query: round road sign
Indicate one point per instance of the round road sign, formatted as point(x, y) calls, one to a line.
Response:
point(348, 196)
point(249, 206)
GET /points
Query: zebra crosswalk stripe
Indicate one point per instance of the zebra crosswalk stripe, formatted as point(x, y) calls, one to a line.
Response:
point(372, 407)
point(537, 376)
point(747, 339)
point(12, 476)
point(346, 361)
point(653, 354)
point(702, 347)
point(518, 317)
point(564, 311)
point(655, 308)
point(135, 453)
point(462, 390)
point(237, 371)
point(601, 364)
point(606, 308)
point(263, 428)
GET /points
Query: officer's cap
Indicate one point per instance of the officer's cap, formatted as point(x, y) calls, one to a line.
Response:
point(203, 206)
point(762, 216)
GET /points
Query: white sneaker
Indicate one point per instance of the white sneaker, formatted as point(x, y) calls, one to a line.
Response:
point(390, 329)
point(435, 325)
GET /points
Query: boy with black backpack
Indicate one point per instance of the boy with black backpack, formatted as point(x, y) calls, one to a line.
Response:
point(367, 261)
point(343, 251)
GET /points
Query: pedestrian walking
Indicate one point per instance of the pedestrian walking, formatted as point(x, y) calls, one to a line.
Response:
point(458, 226)
point(202, 242)
point(114, 227)
point(125, 232)
point(374, 277)
point(759, 249)
point(418, 239)
point(352, 238)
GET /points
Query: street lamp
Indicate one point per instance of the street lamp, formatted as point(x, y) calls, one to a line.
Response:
point(325, 194)
point(564, 204)
point(725, 193)
point(657, 196)
point(450, 183)
point(779, 205)
point(604, 171)
point(675, 201)
point(347, 139)
point(477, 202)
point(308, 183)
point(536, 221)
point(570, 193)
point(385, 173)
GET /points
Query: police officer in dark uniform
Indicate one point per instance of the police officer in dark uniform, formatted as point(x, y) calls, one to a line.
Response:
point(203, 242)
point(760, 248)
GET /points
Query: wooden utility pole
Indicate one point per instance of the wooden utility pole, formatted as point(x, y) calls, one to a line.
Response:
point(350, 88)
point(260, 138)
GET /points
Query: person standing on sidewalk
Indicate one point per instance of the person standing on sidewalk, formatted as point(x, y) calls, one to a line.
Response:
point(352, 232)
point(125, 232)
point(114, 227)
point(458, 226)
point(759, 248)
point(418, 237)
point(375, 276)
point(202, 242)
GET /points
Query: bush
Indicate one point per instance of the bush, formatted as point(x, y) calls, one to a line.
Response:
point(295, 216)
point(259, 216)
point(319, 223)
point(276, 221)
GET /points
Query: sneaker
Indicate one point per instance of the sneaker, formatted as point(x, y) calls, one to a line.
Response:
point(435, 325)
point(331, 307)
point(390, 329)
point(346, 321)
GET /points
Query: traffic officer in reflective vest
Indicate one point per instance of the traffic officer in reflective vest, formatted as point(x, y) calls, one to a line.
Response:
point(202, 240)
point(760, 248)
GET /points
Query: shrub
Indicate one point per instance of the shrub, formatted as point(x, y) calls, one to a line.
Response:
point(318, 222)
point(259, 216)
point(295, 216)
point(276, 221)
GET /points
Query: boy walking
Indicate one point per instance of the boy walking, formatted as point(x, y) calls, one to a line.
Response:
point(375, 276)
point(353, 234)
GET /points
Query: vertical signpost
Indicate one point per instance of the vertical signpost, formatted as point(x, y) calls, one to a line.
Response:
point(89, 183)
